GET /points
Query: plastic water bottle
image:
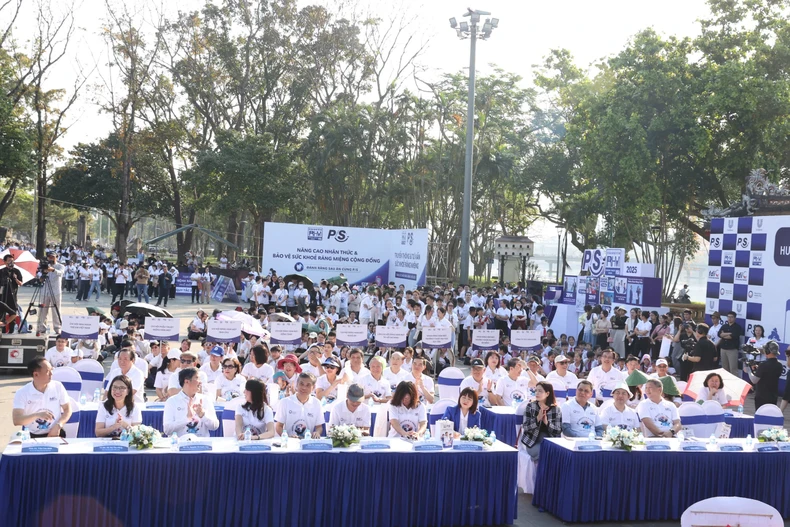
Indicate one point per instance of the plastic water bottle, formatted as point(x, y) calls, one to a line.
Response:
point(247, 435)
point(83, 399)
point(323, 401)
point(427, 435)
point(681, 436)
point(740, 409)
point(174, 442)
point(749, 441)
point(492, 435)
point(591, 436)
point(284, 439)
point(712, 440)
point(514, 404)
point(96, 395)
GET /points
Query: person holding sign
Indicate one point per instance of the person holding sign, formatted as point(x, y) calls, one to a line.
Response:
point(423, 383)
point(118, 412)
point(42, 405)
point(255, 413)
point(408, 417)
point(189, 411)
point(301, 415)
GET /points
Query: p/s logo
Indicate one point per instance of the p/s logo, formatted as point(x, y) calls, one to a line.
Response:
point(593, 261)
point(339, 236)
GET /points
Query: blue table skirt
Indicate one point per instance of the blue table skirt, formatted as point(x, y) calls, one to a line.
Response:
point(653, 486)
point(333, 489)
point(505, 425)
point(152, 418)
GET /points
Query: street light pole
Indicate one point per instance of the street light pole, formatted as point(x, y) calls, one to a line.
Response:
point(470, 30)
point(559, 243)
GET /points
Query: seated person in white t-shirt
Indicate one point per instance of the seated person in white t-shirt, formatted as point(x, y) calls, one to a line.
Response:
point(514, 388)
point(354, 367)
point(376, 387)
point(119, 411)
point(659, 416)
point(314, 361)
point(42, 405)
point(213, 367)
point(301, 415)
point(231, 384)
point(562, 375)
point(59, 355)
point(478, 382)
point(255, 413)
point(713, 390)
point(257, 367)
point(126, 358)
point(408, 418)
point(422, 382)
point(351, 411)
point(579, 417)
point(395, 373)
point(189, 411)
point(326, 385)
point(618, 413)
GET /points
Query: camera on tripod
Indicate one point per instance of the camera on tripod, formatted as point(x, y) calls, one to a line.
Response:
point(43, 267)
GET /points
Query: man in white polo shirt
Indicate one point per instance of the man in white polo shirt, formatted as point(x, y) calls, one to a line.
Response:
point(512, 389)
point(563, 376)
point(59, 355)
point(618, 413)
point(301, 415)
point(351, 411)
point(605, 376)
point(478, 382)
point(579, 417)
point(42, 405)
point(126, 358)
point(659, 416)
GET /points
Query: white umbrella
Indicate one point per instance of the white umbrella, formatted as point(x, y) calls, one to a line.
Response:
point(24, 261)
point(734, 386)
point(248, 323)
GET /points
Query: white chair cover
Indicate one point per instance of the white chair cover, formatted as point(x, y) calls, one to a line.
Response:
point(71, 381)
point(767, 416)
point(731, 510)
point(72, 426)
point(437, 410)
point(527, 470)
point(92, 374)
point(715, 416)
point(449, 382)
point(692, 419)
point(229, 416)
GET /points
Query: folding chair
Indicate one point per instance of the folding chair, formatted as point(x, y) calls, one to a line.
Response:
point(72, 426)
point(449, 382)
point(714, 421)
point(693, 419)
point(71, 380)
point(767, 416)
point(437, 411)
point(92, 374)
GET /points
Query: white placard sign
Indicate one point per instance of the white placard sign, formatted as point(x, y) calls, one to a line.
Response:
point(80, 327)
point(351, 335)
point(485, 339)
point(524, 339)
point(666, 345)
point(391, 336)
point(286, 333)
point(436, 337)
point(223, 331)
point(160, 328)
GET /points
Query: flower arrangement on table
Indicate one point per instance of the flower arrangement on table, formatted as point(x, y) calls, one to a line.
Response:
point(623, 438)
point(478, 434)
point(343, 436)
point(142, 436)
point(774, 435)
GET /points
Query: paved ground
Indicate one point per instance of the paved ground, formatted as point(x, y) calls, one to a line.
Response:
point(10, 382)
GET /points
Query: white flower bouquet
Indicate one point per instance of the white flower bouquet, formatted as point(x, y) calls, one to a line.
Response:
point(623, 438)
point(343, 436)
point(477, 434)
point(774, 435)
point(142, 436)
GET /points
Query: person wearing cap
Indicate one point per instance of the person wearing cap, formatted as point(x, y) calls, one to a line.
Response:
point(352, 411)
point(532, 368)
point(605, 376)
point(126, 358)
point(76, 356)
point(423, 383)
point(189, 411)
point(513, 389)
point(290, 366)
point(188, 360)
point(618, 413)
point(579, 417)
point(562, 375)
point(255, 413)
point(658, 416)
point(662, 369)
point(42, 405)
point(170, 365)
point(258, 365)
point(314, 360)
point(478, 382)
point(213, 367)
point(326, 386)
point(376, 386)
point(542, 418)
point(231, 383)
point(59, 355)
point(300, 414)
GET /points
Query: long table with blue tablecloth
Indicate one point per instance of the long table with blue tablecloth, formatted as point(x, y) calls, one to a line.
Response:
point(620, 486)
point(504, 421)
point(225, 487)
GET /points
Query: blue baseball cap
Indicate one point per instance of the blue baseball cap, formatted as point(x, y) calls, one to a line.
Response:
point(218, 351)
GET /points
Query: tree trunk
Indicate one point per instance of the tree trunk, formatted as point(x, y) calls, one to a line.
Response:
point(8, 197)
point(184, 239)
point(124, 226)
point(230, 234)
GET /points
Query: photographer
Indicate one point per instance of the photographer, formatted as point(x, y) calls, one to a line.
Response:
point(10, 280)
point(703, 355)
point(766, 377)
point(52, 276)
point(687, 340)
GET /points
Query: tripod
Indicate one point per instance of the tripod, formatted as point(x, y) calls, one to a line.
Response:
point(37, 293)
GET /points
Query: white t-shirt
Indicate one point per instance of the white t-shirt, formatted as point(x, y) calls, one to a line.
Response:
point(426, 381)
point(663, 413)
point(721, 396)
point(297, 417)
point(394, 378)
point(495, 375)
point(162, 379)
point(611, 416)
point(409, 418)
point(341, 415)
point(58, 359)
point(31, 401)
point(135, 375)
point(250, 418)
point(110, 418)
point(513, 391)
point(582, 420)
point(356, 377)
point(263, 372)
point(211, 375)
point(323, 383)
point(482, 393)
point(380, 388)
point(604, 381)
point(230, 388)
point(570, 380)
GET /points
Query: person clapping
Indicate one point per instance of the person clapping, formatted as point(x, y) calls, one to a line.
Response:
point(542, 418)
point(189, 411)
point(118, 412)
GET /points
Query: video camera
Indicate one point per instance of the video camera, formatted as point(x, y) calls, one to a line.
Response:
point(750, 354)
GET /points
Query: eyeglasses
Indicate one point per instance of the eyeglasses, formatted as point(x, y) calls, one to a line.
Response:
point(228, 367)
point(119, 388)
point(187, 361)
